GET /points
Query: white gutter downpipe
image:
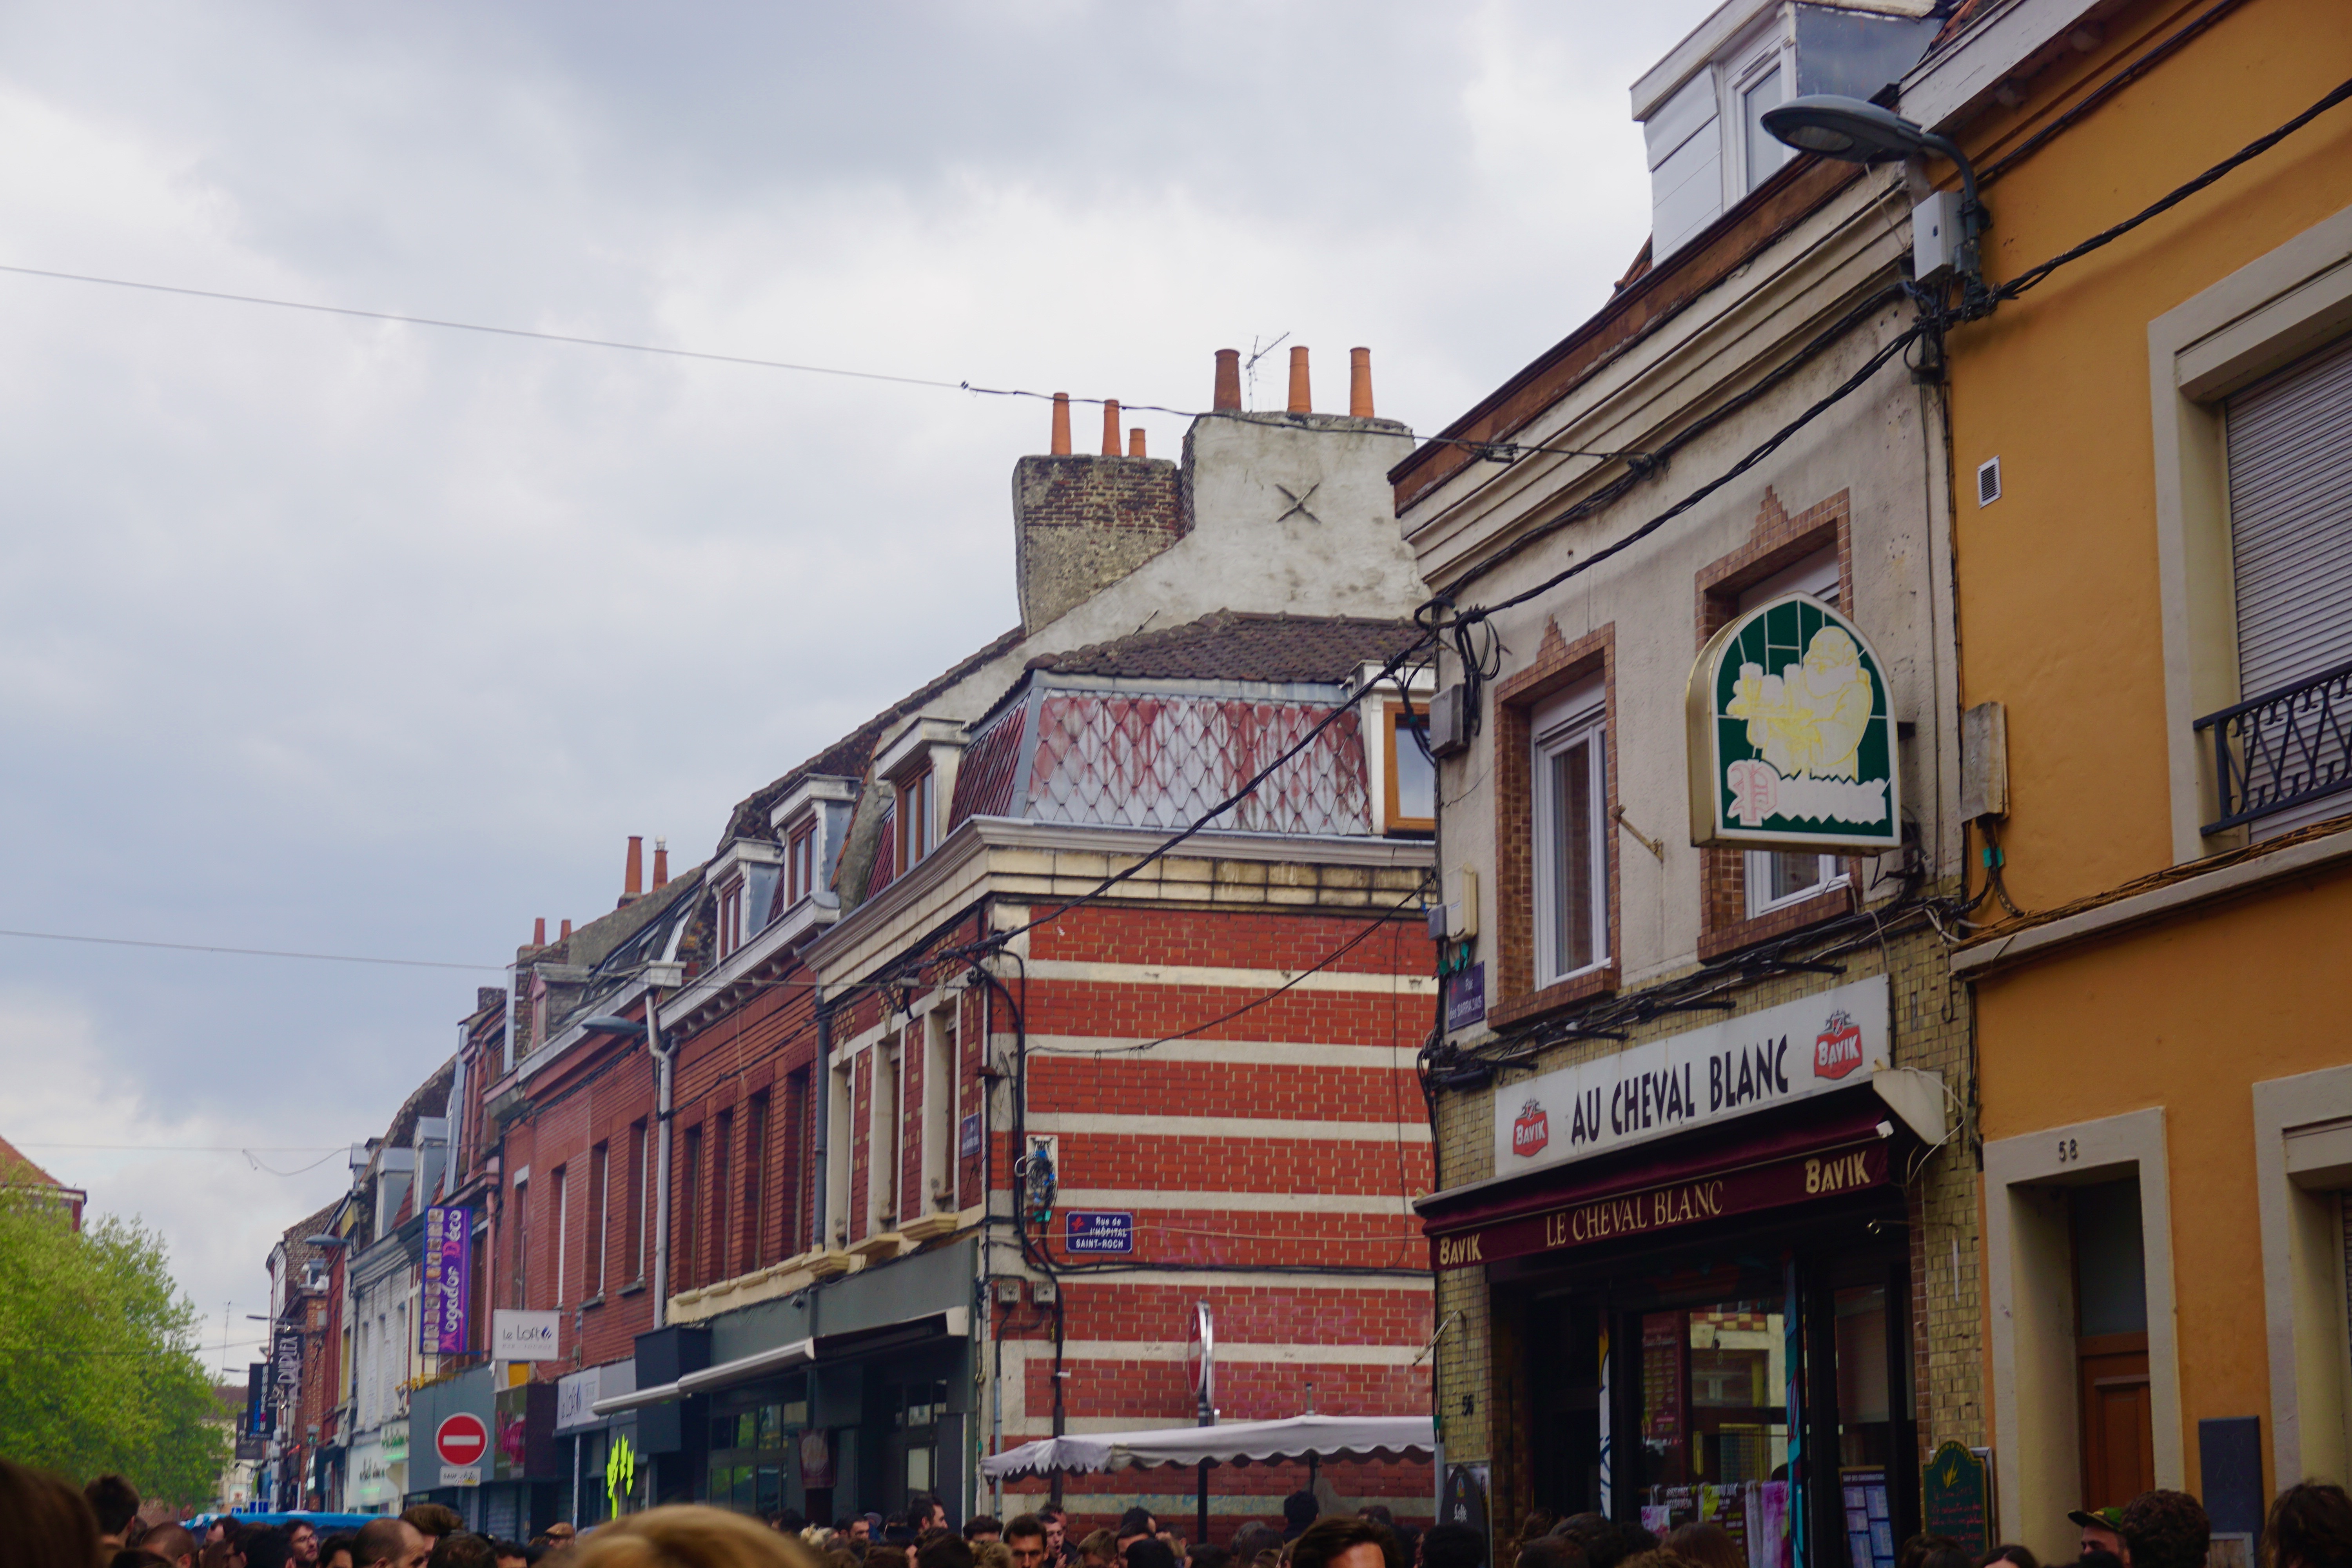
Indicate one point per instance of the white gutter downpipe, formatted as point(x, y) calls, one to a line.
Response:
point(665, 1063)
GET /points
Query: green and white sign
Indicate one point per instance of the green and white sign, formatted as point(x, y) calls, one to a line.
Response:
point(1792, 739)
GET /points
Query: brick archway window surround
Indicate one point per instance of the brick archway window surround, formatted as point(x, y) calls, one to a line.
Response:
point(1558, 665)
point(1777, 543)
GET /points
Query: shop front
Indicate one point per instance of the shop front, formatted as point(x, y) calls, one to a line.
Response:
point(1698, 1262)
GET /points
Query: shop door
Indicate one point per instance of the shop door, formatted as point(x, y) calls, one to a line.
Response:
point(2118, 1423)
point(2118, 1419)
point(911, 1456)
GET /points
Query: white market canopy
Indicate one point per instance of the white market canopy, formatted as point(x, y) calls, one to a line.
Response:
point(1239, 1443)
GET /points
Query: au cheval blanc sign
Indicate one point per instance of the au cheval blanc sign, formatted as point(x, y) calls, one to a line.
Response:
point(1821, 1042)
point(1791, 739)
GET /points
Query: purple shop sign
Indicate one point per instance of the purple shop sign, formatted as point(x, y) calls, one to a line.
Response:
point(448, 1276)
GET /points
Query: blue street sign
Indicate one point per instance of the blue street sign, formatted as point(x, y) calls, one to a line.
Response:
point(1100, 1232)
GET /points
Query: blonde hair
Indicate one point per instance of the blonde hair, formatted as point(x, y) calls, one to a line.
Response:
point(686, 1535)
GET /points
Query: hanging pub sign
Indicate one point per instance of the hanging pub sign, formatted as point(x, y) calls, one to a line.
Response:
point(1791, 736)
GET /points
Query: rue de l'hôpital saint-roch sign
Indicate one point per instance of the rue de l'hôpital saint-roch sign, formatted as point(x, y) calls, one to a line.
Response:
point(1792, 737)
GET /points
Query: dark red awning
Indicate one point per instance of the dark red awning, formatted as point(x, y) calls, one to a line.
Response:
point(1842, 1143)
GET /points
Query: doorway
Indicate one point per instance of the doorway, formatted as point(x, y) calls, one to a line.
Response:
point(2112, 1386)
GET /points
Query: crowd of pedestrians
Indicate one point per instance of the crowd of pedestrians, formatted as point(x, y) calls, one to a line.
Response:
point(46, 1522)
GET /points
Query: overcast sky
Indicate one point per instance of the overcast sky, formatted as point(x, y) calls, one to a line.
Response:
point(343, 637)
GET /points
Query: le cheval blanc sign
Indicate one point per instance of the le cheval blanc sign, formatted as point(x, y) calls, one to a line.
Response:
point(1791, 739)
point(1781, 1054)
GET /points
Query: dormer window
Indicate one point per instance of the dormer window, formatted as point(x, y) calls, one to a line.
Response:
point(745, 874)
point(730, 916)
point(916, 831)
point(800, 864)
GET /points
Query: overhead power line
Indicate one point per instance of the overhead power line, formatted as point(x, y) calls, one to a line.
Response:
point(252, 952)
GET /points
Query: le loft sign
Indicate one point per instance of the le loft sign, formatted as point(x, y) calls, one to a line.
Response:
point(1770, 1057)
point(1791, 743)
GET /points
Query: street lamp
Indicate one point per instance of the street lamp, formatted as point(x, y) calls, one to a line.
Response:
point(1855, 131)
point(324, 1240)
point(604, 1025)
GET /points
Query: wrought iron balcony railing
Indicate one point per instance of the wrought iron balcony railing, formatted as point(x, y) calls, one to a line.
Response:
point(2283, 748)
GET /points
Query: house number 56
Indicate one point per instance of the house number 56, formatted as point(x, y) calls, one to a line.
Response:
point(2069, 1150)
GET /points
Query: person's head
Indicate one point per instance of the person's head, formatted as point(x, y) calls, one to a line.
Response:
point(135, 1557)
point(49, 1521)
point(991, 1554)
point(391, 1543)
point(1057, 1528)
point(1339, 1542)
point(983, 1527)
point(1299, 1510)
point(1609, 1546)
point(2101, 1530)
point(1453, 1546)
point(1024, 1534)
point(840, 1556)
point(1708, 1546)
point(510, 1554)
point(2165, 1530)
point(268, 1549)
point(1947, 1557)
point(433, 1518)
point(1207, 1556)
point(1148, 1552)
point(943, 1549)
point(2098, 1558)
point(1133, 1526)
point(561, 1535)
point(175, 1543)
point(1548, 1551)
point(1538, 1521)
point(1252, 1538)
point(303, 1537)
point(1658, 1557)
point(2016, 1556)
point(1099, 1549)
point(883, 1555)
point(116, 1504)
point(926, 1511)
point(460, 1549)
point(860, 1531)
point(684, 1535)
point(2309, 1526)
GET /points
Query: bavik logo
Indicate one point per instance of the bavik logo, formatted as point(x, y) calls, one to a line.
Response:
point(1531, 1131)
point(1838, 1049)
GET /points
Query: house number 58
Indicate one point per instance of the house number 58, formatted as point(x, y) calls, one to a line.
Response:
point(2069, 1150)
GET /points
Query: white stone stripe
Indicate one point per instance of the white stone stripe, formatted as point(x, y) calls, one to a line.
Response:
point(1238, 979)
point(1263, 1129)
point(1173, 1350)
point(1235, 1203)
point(1273, 1053)
point(1243, 1276)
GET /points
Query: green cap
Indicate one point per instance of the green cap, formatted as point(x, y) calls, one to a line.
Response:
point(2108, 1518)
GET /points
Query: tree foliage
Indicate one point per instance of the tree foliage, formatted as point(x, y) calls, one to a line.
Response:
point(98, 1369)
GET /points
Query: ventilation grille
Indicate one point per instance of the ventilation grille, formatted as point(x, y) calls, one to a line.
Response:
point(1988, 482)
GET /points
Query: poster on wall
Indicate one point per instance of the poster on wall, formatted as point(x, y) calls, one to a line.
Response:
point(1791, 735)
point(448, 1267)
point(816, 1457)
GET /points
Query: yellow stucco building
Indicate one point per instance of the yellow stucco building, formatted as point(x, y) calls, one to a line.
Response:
point(2152, 448)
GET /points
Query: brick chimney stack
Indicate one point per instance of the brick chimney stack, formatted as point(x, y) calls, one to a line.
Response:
point(1302, 400)
point(1061, 447)
point(633, 876)
point(661, 863)
point(1110, 428)
point(565, 935)
point(538, 931)
point(1228, 399)
point(1359, 384)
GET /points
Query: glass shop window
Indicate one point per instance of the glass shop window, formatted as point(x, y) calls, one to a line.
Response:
point(1714, 1394)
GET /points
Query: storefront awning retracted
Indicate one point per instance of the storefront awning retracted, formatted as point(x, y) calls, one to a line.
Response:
point(955, 1323)
point(637, 1399)
point(1834, 1144)
point(1410, 1437)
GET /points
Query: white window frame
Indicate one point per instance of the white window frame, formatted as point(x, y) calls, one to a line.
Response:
point(563, 1227)
point(1575, 715)
point(1817, 574)
point(1742, 78)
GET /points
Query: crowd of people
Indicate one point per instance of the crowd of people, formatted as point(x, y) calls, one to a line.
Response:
point(46, 1522)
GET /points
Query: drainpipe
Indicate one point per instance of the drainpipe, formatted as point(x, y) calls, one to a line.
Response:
point(820, 1108)
point(665, 1074)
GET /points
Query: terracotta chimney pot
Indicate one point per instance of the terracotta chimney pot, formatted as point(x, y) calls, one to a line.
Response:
point(661, 862)
point(1302, 400)
point(633, 877)
point(1135, 442)
point(566, 935)
point(1229, 382)
point(1061, 447)
point(1359, 384)
point(538, 931)
point(1110, 428)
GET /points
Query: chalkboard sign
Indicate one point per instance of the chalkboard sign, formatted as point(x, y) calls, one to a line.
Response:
point(1957, 1499)
point(1466, 1500)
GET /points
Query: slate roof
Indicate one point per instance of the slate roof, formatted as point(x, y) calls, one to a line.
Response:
point(1233, 645)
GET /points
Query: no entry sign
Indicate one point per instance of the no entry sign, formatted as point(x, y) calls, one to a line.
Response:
point(462, 1439)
